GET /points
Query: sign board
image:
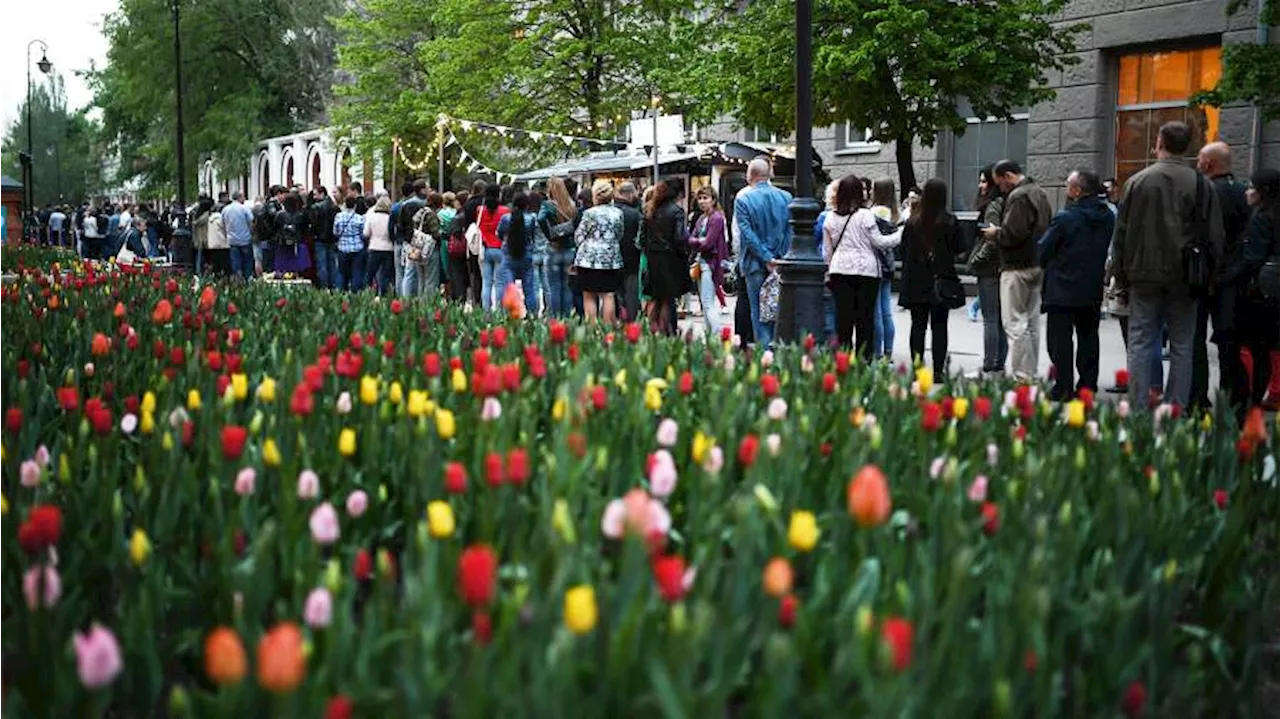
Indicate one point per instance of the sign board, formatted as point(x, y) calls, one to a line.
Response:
point(670, 131)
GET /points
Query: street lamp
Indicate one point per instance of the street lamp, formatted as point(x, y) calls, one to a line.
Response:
point(802, 269)
point(181, 248)
point(45, 66)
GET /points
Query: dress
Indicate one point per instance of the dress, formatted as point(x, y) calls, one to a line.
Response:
point(599, 256)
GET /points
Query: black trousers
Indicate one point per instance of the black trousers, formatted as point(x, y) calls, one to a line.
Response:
point(855, 298)
point(1200, 357)
point(742, 314)
point(921, 317)
point(1083, 321)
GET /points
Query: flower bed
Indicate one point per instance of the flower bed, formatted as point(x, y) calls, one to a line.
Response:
point(237, 500)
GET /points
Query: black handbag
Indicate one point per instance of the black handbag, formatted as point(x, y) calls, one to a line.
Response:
point(1269, 278)
point(1197, 258)
point(948, 292)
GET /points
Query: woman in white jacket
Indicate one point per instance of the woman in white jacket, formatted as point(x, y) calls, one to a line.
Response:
point(381, 265)
point(850, 238)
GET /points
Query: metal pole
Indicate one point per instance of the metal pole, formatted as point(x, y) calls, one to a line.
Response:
point(31, 158)
point(802, 269)
point(181, 249)
point(655, 142)
point(440, 162)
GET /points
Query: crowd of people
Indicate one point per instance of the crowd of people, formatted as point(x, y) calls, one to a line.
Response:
point(1181, 256)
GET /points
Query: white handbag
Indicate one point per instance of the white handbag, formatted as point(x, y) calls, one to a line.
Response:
point(475, 242)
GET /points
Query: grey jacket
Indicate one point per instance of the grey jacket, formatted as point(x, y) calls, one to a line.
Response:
point(1158, 217)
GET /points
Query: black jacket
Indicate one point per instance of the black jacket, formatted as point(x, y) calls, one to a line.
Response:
point(631, 220)
point(404, 219)
point(665, 232)
point(923, 262)
point(322, 214)
point(1073, 253)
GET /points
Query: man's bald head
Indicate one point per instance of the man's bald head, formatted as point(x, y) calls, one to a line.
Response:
point(1214, 159)
point(759, 170)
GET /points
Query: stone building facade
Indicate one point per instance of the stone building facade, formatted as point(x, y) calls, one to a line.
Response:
point(1139, 63)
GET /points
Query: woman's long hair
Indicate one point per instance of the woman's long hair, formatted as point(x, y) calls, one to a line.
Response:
point(931, 211)
point(559, 195)
point(993, 190)
point(883, 192)
point(661, 193)
point(492, 198)
point(849, 195)
point(518, 234)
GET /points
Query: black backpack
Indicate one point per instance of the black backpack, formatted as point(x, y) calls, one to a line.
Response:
point(287, 232)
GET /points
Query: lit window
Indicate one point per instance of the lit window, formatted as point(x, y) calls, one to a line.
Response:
point(1155, 88)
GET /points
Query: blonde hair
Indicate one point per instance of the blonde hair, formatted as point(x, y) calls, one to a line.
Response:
point(602, 192)
point(448, 199)
point(383, 204)
point(559, 195)
point(829, 195)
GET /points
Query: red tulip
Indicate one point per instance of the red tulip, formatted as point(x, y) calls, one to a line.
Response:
point(517, 466)
point(668, 572)
point(726, 334)
point(748, 449)
point(809, 342)
point(483, 338)
point(769, 385)
point(787, 608)
point(339, 707)
point(24, 369)
point(990, 518)
point(499, 337)
point(686, 382)
point(101, 345)
point(599, 397)
point(1220, 498)
point(479, 359)
point(477, 571)
point(100, 418)
point(301, 402)
point(233, 439)
point(1122, 378)
point(1030, 661)
point(69, 398)
point(363, 566)
point(481, 627)
point(396, 307)
point(573, 353)
point(828, 383)
point(13, 420)
point(897, 634)
point(511, 376)
point(982, 407)
point(633, 332)
point(1086, 396)
point(455, 478)
point(43, 528)
point(493, 469)
point(162, 313)
point(559, 332)
point(177, 357)
point(431, 364)
point(1135, 699)
point(842, 362)
point(930, 416)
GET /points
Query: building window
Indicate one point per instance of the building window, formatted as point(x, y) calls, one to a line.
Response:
point(758, 134)
point(1155, 88)
point(983, 142)
point(852, 140)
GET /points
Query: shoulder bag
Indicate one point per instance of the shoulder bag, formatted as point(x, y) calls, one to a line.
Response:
point(839, 238)
point(1197, 260)
point(423, 243)
point(475, 242)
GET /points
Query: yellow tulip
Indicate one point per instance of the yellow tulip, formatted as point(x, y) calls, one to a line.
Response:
point(149, 402)
point(701, 445)
point(620, 379)
point(347, 442)
point(580, 611)
point(395, 393)
point(368, 389)
point(446, 427)
point(193, 400)
point(270, 453)
point(803, 531)
point(267, 390)
point(559, 409)
point(652, 399)
point(1075, 413)
point(239, 386)
point(4, 505)
point(167, 441)
point(924, 379)
point(417, 402)
point(440, 519)
point(459, 379)
point(960, 408)
point(139, 547)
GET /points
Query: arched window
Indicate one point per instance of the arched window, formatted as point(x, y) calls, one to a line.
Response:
point(264, 174)
point(344, 168)
point(288, 168)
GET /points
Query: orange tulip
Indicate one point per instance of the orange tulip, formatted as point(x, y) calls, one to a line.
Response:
point(101, 345)
point(224, 657)
point(207, 297)
point(869, 501)
point(778, 577)
point(280, 662)
point(162, 313)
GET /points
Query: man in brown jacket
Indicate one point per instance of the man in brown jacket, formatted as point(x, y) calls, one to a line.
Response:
point(1164, 208)
point(1026, 217)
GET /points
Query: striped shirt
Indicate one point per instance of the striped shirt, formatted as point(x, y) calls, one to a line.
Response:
point(348, 228)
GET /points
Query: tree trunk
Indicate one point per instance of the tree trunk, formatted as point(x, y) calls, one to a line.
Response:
point(906, 170)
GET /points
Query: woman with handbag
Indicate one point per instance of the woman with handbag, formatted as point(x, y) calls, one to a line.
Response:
point(851, 236)
point(598, 260)
point(519, 231)
point(665, 247)
point(710, 246)
point(1254, 273)
point(930, 285)
point(560, 215)
point(487, 218)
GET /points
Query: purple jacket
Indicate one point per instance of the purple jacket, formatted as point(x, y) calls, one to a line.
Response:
point(710, 241)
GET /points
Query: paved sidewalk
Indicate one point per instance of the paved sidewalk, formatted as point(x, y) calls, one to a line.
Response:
point(965, 340)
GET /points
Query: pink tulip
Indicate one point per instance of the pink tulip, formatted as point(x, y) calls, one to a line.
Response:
point(774, 444)
point(246, 479)
point(714, 461)
point(324, 524)
point(42, 586)
point(30, 473)
point(42, 456)
point(357, 503)
point(98, 660)
point(668, 432)
point(308, 484)
point(663, 476)
point(777, 409)
point(978, 490)
point(1122, 408)
point(318, 611)
point(491, 409)
point(936, 467)
point(128, 423)
point(993, 454)
point(344, 403)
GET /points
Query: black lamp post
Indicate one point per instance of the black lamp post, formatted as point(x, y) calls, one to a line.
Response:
point(45, 66)
point(802, 269)
point(181, 247)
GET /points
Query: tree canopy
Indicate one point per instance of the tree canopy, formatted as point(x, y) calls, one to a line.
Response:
point(1250, 72)
point(901, 68)
point(251, 69)
point(64, 146)
point(572, 66)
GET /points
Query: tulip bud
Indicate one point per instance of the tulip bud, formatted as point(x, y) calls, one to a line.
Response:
point(1014, 488)
point(678, 619)
point(950, 437)
point(1019, 451)
point(117, 505)
point(904, 593)
point(562, 522)
point(602, 458)
point(877, 437)
point(333, 576)
point(778, 649)
point(139, 480)
point(1153, 484)
point(178, 703)
point(1002, 697)
point(766, 499)
point(864, 621)
point(1080, 458)
point(93, 455)
point(64, 468)
point(1064, 513)
point(1043, 603)
point(421, 535)
point(1170, 571)
point(255, 424)
point(84, 428)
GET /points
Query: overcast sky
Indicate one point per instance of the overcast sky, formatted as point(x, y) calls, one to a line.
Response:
point(73, 31)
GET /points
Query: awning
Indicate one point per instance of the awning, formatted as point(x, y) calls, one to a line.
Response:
point(603, 162)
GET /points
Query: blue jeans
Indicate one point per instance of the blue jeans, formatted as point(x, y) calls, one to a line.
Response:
point(763, 330)
point(828, 316)
point(327, 266)
point(242, 261)
point(882, 346)
point(421, 278)
point(398, 268)
point(268, 258)
point(490, 266)
point(707, 298)
point(559, 298)
point(378, 271)
point(351, 270)
point(539, 279)
point(1152, 312)
point(521, 269)
point(995, 345)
